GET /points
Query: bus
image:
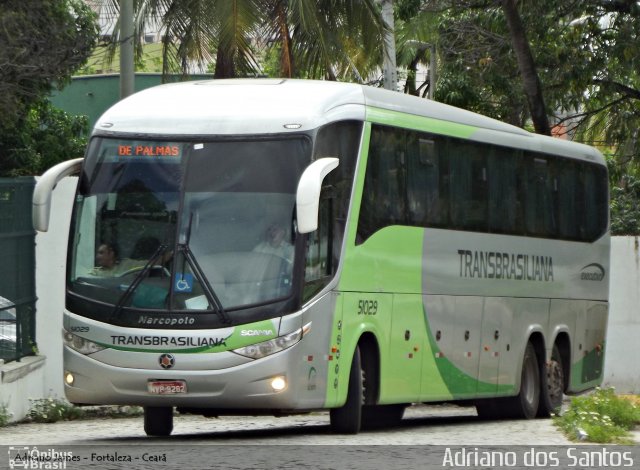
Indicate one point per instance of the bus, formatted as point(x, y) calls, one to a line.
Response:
point(275, 246)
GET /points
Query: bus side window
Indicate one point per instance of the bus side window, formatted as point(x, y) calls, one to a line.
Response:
point(594, 203)
point(468, 188)
point(426, 198)
point(539, 210)
point(319, 256)
point(566, 193)
point(505, 204)
point(384, 197)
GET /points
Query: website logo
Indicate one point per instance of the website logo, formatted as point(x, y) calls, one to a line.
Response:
point(592, 272)
point(34, 458)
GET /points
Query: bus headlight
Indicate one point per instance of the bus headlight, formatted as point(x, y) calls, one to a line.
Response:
point(272, 346)
point(83, 346)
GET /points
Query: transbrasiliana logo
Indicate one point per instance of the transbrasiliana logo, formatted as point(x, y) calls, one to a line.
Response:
point(32, 457)
point(592, 272)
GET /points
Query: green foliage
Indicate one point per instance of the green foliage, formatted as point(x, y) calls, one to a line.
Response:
point(51, 410)
point(585, 58)
point(5, 415)
point(624, 181)
point(43, 43)
point(601, 417)
point(325, 38)
point(44, 137)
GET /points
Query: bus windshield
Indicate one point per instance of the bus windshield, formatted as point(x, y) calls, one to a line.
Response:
point(186, 225)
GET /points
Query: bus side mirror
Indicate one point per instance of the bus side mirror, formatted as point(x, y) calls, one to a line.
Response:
point(41, 202)
point(308, 194)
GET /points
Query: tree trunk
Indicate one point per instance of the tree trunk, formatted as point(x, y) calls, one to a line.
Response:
point(531, 82)
point(225, 67)
point(286, 57)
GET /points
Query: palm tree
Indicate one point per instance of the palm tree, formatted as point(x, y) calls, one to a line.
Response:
point(327, 38)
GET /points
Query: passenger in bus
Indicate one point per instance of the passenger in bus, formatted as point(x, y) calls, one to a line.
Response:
point(275, 243)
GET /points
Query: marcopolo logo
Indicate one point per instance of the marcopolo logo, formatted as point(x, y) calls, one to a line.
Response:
point(592, 272)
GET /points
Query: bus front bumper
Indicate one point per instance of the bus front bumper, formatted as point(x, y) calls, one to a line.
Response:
point(256, 385)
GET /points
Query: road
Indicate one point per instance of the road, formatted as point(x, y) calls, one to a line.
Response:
point(421, 441)
point(422, 425)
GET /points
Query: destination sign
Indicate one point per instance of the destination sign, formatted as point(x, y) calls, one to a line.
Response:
point(150, 150)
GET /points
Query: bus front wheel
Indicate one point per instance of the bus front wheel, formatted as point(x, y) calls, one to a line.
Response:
point(158, 420)
point(347, 419)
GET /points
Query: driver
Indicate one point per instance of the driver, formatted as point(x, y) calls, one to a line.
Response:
point(109, 264)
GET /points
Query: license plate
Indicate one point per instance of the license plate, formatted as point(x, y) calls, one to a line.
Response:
point(166, 387)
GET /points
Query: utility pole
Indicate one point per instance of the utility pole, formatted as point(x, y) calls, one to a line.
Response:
point(433, 63)
point(126, 48)
point(389, 64)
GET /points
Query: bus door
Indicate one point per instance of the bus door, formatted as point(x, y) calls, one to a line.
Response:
point(494, 345)
point(406, 348)
point(466, 322)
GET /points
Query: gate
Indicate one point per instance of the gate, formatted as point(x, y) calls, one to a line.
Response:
point(17, 269)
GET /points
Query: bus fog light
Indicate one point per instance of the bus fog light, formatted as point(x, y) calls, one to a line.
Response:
point(278, 384)
point(69, 378)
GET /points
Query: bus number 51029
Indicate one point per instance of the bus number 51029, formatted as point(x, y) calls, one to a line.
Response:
point(367, 307)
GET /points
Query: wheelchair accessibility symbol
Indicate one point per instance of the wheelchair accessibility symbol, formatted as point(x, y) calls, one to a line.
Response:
point(183, 282)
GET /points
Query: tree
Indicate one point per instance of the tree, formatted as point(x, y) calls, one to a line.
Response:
point(609, 114)
point(527, 67)
point(41, 44)
point(326, 38)
point(416, 40)
point(42, 138)
point(588, 65)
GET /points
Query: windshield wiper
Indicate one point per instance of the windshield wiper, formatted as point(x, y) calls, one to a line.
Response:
point(124, 298)
point(209, 293)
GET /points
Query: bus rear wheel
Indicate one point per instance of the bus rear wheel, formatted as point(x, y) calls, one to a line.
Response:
point(552, 388)
point(525, 404)
point(348, 418)
point(158, 420)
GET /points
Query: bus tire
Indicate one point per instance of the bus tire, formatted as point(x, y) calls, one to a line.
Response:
point(158, 420)
point(525, 404)
point(552, 385)
point(348, 418)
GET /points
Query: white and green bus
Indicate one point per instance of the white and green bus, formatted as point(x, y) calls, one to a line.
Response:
point(282, 246)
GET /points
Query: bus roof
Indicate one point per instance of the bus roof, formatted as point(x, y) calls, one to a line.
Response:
point(276, 106)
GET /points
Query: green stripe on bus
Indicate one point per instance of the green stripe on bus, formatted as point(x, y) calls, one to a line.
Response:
point(459, 383)
point(587, 372)
point(419, 123)
point(245, 335)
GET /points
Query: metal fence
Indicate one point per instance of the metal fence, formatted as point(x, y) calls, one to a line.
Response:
point(17, 269)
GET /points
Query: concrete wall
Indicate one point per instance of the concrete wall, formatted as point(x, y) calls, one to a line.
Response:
point(622, 369)
point(51, 258)
point(20, 382)
point(621, 365)
point(92, 95)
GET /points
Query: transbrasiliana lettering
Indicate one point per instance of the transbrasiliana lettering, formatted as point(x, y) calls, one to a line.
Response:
point(501, 265)
point(179, 341)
